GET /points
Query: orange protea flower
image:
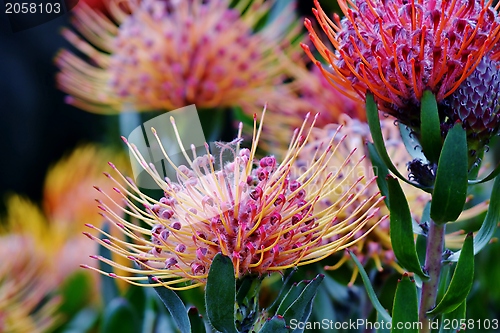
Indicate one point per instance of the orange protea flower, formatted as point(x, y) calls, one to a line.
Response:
point(27, 302)
point(259, 212)
point(66, 198)
point(398, 49)
point(164, 55)
point(67, 204)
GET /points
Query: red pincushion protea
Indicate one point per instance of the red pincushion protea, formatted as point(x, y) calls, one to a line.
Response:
point(397, 49)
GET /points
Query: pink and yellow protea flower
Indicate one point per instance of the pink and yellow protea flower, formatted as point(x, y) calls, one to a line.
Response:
point(397, 49)
point(164, 55)
point(377, 244)
point(310, 91)
point(261, 213)
point(27, 301)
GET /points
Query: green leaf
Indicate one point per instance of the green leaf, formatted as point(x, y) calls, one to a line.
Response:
point(196, 320)
point(384, 315)
point(293, 293)
point(276, 303)
point(401, 226)
point(380, 170)
point(444, 281)
point(174, 305)
point(378, 140)
point(492, 175)
point(323, 308)
point(454, 318)
point(76, 291)
point(461, 282)
point(300, 309)
point(405, 308)
point(413, 146)
point(82, 322)
point(220, 294)
point(450, 187)
point(430, 127)
point(490, 222)
point(109, 288)
point(275, 324)
point(119, 316)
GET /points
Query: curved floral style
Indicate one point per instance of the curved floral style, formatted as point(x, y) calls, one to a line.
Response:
point(260, 213)
point(164, 55)
point(398, 49)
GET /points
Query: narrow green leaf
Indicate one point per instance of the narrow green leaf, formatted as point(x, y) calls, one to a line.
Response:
point(450, 188)
point(323, 308)
point(456, 320)
point(413, 146)
point(174, 305)
point(220, 294)
point(273, 308)
point(444, 281)
point(109, 288)
point(244, 288)
point(380, 170)
point(384, 315)
point(275, 324)
point(119, 316)
point(293, 293)
point(430, 127)
point(378, 140)
point(461, 282)
point(301, 307)
point(401, 226)
point(383, 327)
point(490, 222)
point(492, 175)
point(405, 308)
point(82, 322)
point(196, 320)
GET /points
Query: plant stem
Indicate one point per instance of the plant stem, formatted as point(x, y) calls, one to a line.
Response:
point(433, 256)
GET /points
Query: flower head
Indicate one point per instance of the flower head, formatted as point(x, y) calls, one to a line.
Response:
point(476, 104)
point(377, 244)
point(67, 204)
point(260, 213)
point(164, 55)
point(397, 49)
point(27, 303)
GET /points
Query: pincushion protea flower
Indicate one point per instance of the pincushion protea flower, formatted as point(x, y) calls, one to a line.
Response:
point(398, 49)
point(164, 55)
point(476, 104)
point(27, 303)
point(54, 228)
point(377, 244)
point(254, 211)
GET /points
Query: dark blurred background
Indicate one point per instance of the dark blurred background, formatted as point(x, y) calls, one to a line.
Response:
point(37, 127)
